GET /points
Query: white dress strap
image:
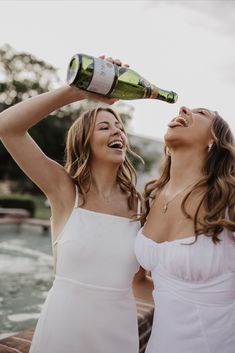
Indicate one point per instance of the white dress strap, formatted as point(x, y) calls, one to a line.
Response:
point(76, 197)
point(139, 207)
point(75, 206)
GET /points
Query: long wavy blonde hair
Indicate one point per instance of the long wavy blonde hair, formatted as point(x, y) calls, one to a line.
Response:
point(78, 153)
point(218, 180)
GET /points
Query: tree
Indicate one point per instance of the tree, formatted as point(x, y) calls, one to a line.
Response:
point(22, 75)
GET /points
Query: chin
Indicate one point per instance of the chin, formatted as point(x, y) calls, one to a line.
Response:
point(118, 161)
point(170, 133)
point(169, 137)
point(172, 137)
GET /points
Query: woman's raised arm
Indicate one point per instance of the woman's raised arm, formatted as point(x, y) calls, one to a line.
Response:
point(14, 124)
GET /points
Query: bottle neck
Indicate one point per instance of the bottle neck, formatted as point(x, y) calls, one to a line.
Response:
point(163, 95)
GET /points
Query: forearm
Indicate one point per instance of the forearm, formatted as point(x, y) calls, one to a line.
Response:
point(143, 285)
point(22, 116)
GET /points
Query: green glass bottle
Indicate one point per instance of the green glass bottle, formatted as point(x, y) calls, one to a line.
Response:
point(103, 77)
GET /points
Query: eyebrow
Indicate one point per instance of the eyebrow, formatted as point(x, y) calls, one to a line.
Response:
point(107, 122)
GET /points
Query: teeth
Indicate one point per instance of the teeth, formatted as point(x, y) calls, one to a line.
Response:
point(182, 120)
point(117, 143)
point(185, 121)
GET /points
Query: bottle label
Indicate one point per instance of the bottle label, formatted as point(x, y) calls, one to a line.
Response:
point(103, 76)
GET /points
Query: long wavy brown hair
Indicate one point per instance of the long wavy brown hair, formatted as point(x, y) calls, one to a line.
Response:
point(78, 153)
point(218, 180)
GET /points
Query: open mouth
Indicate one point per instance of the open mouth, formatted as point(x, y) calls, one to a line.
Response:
point(117, 144)
point(180, 121)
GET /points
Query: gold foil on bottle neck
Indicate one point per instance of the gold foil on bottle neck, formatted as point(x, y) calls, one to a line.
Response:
point(154, 93)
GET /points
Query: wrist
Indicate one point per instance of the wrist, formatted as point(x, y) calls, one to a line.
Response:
point(72, 94)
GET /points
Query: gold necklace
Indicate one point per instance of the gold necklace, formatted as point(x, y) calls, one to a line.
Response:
point(165, 207)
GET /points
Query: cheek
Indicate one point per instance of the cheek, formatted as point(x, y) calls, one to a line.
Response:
point(98, 141)
point(203, 131)
point(124, 138)
point(99, 148)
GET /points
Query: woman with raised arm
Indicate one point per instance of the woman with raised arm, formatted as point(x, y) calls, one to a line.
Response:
point(188, 240)
point(90, 307)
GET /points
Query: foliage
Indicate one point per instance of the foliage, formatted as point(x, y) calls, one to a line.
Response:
point(18, 202)
point(149, 159)
point(23, 76)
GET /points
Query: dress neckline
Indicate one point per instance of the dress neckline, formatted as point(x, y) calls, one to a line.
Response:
point(76, 207)
point(103, 214)
point(181, 240)
point(90, 212)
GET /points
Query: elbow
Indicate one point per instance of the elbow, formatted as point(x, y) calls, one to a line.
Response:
point(3, 128)
point(3, 125)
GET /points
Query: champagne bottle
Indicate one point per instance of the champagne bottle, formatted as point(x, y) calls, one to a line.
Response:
point(103, 77)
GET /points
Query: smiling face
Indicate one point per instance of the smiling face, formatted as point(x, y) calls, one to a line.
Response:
point(108, 141)
point(191, 128)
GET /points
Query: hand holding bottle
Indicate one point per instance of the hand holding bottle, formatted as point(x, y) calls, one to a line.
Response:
point(114, 61)
point(109, 78)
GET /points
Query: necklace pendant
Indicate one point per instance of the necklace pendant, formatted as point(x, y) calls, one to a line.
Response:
point(164, 208)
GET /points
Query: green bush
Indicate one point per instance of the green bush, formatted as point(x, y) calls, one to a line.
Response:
point(18, 202)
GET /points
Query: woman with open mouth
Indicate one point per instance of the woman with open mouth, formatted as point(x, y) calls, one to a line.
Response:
point(188, 239)
point(94, 203)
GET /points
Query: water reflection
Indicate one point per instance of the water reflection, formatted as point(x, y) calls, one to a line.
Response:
point(26, 274)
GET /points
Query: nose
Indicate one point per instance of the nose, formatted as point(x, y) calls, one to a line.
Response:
point(116, 131)
point(184, 111)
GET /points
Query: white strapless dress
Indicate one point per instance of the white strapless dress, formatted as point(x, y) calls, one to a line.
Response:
point(194, 293)
point(90, 307)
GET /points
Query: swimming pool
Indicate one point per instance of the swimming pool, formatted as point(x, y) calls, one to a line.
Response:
point(26, 274)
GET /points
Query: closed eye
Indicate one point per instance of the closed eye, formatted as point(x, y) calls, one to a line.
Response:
point(205, 113)
point(201, 112)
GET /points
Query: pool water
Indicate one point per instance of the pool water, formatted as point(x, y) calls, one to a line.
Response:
point(26, 275)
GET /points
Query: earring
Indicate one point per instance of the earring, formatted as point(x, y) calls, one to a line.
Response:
point(210, 147)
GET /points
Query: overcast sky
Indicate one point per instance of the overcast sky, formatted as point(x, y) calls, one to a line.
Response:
point(185, 46)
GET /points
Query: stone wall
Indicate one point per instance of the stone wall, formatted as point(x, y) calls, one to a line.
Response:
point(20, 343)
